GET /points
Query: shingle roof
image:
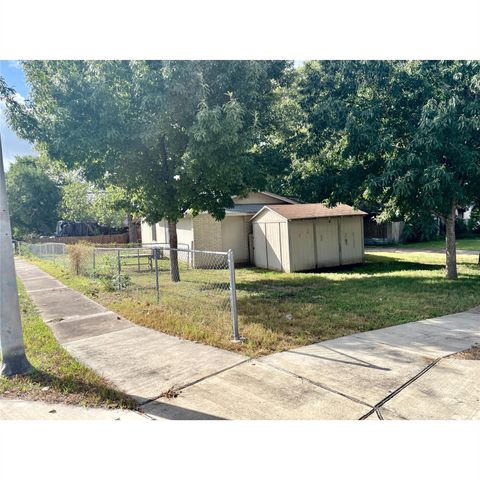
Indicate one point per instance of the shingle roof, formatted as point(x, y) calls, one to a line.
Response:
point(312, 210)
point(271, 195)
point(245, 208)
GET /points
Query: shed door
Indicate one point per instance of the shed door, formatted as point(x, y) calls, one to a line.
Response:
point(274, 254)
point(326, 234)
point(302, 246)
point(259, 244)
point(351, 240)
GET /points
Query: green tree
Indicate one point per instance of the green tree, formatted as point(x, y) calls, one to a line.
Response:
point(33, 198)
point(82, 201)
point(76, 203)
point(403, 135)
point(176, 135)
point(109, 206)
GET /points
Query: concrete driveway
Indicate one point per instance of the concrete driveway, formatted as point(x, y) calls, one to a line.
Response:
point(393, 373)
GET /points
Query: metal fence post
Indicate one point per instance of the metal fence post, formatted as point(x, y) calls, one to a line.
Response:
point(119, 270)
point(93, 256)
point(155, 257)
point(233, 297)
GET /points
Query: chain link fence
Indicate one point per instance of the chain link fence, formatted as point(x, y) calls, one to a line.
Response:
point(183, 281)
point(52, 252)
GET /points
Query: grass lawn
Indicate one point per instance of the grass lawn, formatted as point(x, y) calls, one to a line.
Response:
point(56, 376)
point(278, 311)
point(462, 244)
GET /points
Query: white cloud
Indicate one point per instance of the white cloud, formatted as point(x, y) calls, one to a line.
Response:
point(15, 64)
point(19, 98)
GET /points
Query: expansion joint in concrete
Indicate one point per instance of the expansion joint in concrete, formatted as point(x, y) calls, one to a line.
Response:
point(175, 390)
point(319, 385)
point(380, 404)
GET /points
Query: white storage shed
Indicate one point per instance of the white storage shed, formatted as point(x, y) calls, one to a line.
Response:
point(295, 238)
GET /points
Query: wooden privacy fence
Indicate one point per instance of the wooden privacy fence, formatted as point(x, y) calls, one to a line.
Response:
point(97, 239)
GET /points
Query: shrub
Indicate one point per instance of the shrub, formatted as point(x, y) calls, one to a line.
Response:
point(474, 221)
point(112, 282)
point(80, 257)
point(420, 228)
point(24, 250)
point(461, 228)
point(106, 271)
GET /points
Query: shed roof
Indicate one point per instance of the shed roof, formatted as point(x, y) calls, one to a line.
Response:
point(311, 210)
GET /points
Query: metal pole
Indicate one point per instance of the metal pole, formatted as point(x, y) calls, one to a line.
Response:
point(12, 349)
point(119, 269)
point(233, 298)
point(93, 254)
point(157, 286)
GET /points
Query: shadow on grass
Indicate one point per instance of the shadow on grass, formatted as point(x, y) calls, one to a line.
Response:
point(338, 301)
point(317, 278)
point(92, 394)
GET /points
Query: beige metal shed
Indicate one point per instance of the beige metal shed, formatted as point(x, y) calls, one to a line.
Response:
point(295, 238)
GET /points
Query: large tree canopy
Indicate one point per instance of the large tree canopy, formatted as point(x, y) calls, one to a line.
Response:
point(83, 201)
point(404, 136)
point(33, 198)
point(176, 135)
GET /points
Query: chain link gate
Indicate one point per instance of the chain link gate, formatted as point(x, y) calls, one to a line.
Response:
point(184, 281)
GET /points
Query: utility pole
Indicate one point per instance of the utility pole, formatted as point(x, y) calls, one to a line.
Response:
point(12, 349)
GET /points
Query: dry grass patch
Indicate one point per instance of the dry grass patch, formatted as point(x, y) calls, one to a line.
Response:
point(472, 353)
point(278, 311)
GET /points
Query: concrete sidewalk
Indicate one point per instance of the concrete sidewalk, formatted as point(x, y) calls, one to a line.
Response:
point(387, 373)
point(141, 362)
point(36, 410)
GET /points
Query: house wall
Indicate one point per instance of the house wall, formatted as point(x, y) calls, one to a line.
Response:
point(235, 230)
point(162, 232)
point(207, 233)
point(184, 232)
point(257, 197)
point(147, 232)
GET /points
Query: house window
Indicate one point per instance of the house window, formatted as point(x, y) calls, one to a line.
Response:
point(154, 233)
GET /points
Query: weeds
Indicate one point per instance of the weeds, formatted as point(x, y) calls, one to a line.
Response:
point(80, 257)
point(278, 311)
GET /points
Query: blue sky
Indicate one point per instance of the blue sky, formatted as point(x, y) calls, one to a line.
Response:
point(12, 72)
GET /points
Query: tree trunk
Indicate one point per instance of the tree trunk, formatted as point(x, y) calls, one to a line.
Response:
point(172, 234)
point(451, 249)
point(172, 226)
point(132, 230)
